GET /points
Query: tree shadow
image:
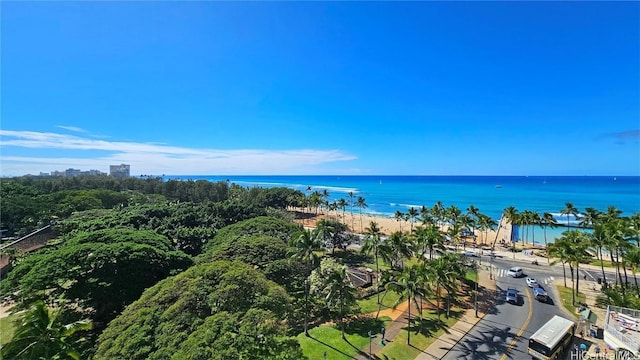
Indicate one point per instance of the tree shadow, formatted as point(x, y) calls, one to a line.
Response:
point(351, 257)
point(488, 342)
point(361, 325)
point(427, 327)
point(332, 347)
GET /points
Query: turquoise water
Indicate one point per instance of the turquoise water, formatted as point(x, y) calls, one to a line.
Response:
point(490, 194)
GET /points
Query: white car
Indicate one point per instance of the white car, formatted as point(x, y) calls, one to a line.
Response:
point(470, 253)
point(515, 272)
point(531, 282)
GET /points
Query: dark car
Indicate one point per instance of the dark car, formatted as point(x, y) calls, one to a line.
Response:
point(512, 296)
point(540, 295)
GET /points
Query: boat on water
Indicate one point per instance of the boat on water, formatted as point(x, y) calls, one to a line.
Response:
point(498, 186)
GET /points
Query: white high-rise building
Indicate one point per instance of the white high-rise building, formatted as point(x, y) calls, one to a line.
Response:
point(120, 171)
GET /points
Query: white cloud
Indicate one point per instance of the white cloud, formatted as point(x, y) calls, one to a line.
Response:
point(149, 158)
point(72, 128)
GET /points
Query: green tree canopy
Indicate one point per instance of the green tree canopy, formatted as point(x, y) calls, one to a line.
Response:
point(42, 334)
point(100, 277)
point(255, 250)
point(261, 225)
point(215, 310)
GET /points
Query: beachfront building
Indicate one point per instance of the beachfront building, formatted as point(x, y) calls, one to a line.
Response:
point(622, 329)
point(72, 172)
point(120, 171)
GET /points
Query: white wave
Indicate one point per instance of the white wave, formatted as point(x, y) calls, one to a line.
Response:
point(409, 206)
point(299, 186)
point(335, 188)
point(274, 184)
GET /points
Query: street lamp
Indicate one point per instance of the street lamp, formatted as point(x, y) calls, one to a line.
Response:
point(476, 292)
point(306, 306)
point(370, 356)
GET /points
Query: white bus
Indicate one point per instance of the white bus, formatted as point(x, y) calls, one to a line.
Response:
point(552, 339)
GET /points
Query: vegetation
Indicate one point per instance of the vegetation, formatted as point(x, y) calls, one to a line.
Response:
point(217, 310)
point(43, 334)
point(100, 272)
point(262, 286)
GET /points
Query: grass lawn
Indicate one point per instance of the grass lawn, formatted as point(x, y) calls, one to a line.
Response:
point(420, 340)
point(565, 296)
point(328, 338)
point(607, 264)
point(6, 328)
point(370, 304)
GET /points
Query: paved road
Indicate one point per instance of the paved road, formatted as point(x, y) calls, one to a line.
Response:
point(494, 334)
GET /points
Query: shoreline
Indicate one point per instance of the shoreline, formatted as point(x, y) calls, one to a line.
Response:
point(308, 219)
point(359, 222)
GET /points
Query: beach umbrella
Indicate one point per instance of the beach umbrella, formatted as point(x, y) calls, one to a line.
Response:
point(588, 315)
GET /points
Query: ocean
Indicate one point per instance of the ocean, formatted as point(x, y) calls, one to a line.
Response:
point(385, 195)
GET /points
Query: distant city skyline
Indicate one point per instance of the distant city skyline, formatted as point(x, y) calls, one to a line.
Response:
point(321, 88)
point(119, 170)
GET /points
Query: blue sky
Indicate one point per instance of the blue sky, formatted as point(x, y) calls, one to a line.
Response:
point(424, 88)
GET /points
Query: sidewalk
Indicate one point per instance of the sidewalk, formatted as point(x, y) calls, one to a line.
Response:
point(486, 297)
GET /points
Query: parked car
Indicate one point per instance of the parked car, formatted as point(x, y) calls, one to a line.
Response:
point(515, 272)
point(470, 253)
point(540, 295)
point(531, 282)
point(512, 296)
point(467, 233)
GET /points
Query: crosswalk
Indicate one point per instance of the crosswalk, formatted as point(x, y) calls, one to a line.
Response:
point(500, 273)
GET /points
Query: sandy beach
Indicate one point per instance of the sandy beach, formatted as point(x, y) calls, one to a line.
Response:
point(358, 223)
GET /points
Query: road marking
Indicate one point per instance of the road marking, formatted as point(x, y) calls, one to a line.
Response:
point(524, 326)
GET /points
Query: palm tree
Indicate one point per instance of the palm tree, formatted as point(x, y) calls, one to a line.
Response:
point(568, 211)
point(632, 259)
point(428, 238)
point(341, 292)
point(408, 286)
point(598, 241)
point(578, 253)
point(351, 205)
point(535, 220)
point(438, 212)
point(446, 270)
point(590, 217)
point(399, 246)
point(527, 220)
point(315, 200)
point(426, 217)
point(474, 213)
point(342, 204)
point(413, 214)
point(512, 216)
point(634, 221)
point(305, 247)
point(325, 196)
point(333, 206)
point(486, 223)
point(548, 220)
point(362, 204)
point(41, 334)
point(558, 249)
point(616, 233)
point(399, 216)
point(453, 213)
point(466, 221)
point(571, 249)
point(324, 232)
point(373, 244)
point(613, 212)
